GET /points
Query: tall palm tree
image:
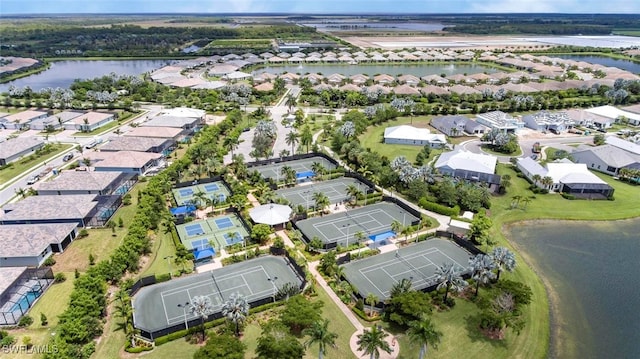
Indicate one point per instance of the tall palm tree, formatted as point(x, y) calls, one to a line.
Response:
point(372, 341)
point(396, 226)
point(403, 286)
point(482, 267)
point(236, 309)
point(504, 259)
point(423, 332)
point(291, 139)
point(306, 137)
point(321, 200)
point(372, 299)
point(201, 198)
point(449, 276)
point(352, 192)
point(515, 200)
point(318, 169)
point(231, 143)
point(291, 102)
point(536, 178)
point(547, 182)
point(201, 307)
point(319, 334)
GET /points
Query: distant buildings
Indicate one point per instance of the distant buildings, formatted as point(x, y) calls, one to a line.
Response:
point(16, 148)
point(498, 120)
point(610, 158)
point(548, 121)
point(457, 125)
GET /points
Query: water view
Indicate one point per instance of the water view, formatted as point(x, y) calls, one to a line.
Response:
point(62, 73)
point(592, 269)
point(379, 26)
point(604, 61)
point(375, 69)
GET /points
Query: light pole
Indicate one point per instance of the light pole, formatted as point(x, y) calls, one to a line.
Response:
point(347, 237)
point(273, 282)
point(168, 258)
point(184, 309)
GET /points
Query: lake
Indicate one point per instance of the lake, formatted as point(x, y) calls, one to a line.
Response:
point(592, 269)
point(604, 61)
point(374, 69)
point(62, 73)
point(377, 26)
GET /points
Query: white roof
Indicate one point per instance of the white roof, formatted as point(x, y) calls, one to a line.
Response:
point(406, 132)
point(460, 159)
point(571, 173)
point(612, 112)
point(622, 144)
point(184, 112)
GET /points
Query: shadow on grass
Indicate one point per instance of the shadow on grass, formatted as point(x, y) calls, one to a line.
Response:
point(472, 324)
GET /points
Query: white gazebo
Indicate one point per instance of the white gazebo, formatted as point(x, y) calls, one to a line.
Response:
point(271, 214)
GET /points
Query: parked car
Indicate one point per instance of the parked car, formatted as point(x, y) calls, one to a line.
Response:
point(68, 157)
point(33, 179)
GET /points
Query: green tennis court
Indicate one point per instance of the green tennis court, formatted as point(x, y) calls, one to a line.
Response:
point(417, 263)
point(156, 306)
point(372, 222)
point(335, 189)
point(222, 231)
point(189, 195)
point(301, 166)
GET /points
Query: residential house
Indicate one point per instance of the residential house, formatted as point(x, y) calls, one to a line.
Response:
point(82, 209)
point(555, 122)
point(87, 182)
point(172, 133)
point(139, 144)
point(498, 120)
point(565, 177)
point(16, 148)
point(608, 159)
point(409, 135)
point(127, 161)
point(21, 120)
point(469, 166)
point(30, 245)
point(457, 125)
point(89, 121)
point(54, 122)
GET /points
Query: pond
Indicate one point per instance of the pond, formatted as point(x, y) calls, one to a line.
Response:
point(604, 61)
point(63, 73)
point(419, 70)
point(592, 270)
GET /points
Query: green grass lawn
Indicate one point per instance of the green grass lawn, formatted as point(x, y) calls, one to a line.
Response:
point(19, 167)
point(486, 148)
point(373, 138)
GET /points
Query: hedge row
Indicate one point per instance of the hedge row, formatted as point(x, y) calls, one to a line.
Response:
point(438, 208)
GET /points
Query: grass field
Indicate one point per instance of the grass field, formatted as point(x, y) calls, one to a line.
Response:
point(18, 168)
point(373, 138)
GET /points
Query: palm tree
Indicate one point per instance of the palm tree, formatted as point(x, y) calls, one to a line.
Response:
point(318, 169)
point(482, 267)
point(403, 286)
point(536, 178)
point(291, 102)
point(231, 143)
point(515, 201)
point(504, 259)
point(449, 276)
point(321, 200)
point(353, 192)
point(319, 334)
point(423, 332)
point(201, 307)
point(201, 198)
point(291, 139)
point(526, 201)
point(306, 137)
point(547, 182)
point(236, 309)
point(372, 299)
point(372, 341)
point(396, 226)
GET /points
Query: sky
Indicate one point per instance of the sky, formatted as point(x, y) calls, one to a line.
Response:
point(317, 6)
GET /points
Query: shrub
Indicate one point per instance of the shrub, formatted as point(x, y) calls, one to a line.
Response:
point(568, 196)
point(25, 321)
point(438, 208)
point(43, 320)
point(26, 341)
point(360, 304)
point(59, 277)
point(92, 259)
point(163, 277)
point(6, 339)
point(76, 273)
point(83, 233)
point(49, 261)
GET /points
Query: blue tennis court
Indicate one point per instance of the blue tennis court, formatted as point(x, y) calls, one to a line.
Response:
point(194, 229)
point(200, 244)
point(232, 238)
point(382, 236)
point(305, 174)
point(222, 197)
point(223, 223)
point(184, 192)
point(211, 187)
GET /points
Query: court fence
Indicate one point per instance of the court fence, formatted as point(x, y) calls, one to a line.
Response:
point(201, 181)
point(461, 241)
point(193, 323)
point(302, 156)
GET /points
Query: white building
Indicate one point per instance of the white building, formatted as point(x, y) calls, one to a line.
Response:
point(498, 120)
point(409, 135)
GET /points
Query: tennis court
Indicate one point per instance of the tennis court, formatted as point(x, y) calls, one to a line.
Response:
point(417, 263)
point(188, 195)
point(156, 306)
point(372, 221)
point(217, 232)
point(335, 189)
point(301, 166)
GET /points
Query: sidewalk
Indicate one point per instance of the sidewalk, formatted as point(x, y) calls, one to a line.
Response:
point(353, 341)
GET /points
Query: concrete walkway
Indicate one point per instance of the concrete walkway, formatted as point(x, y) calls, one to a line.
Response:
point(353, 341)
